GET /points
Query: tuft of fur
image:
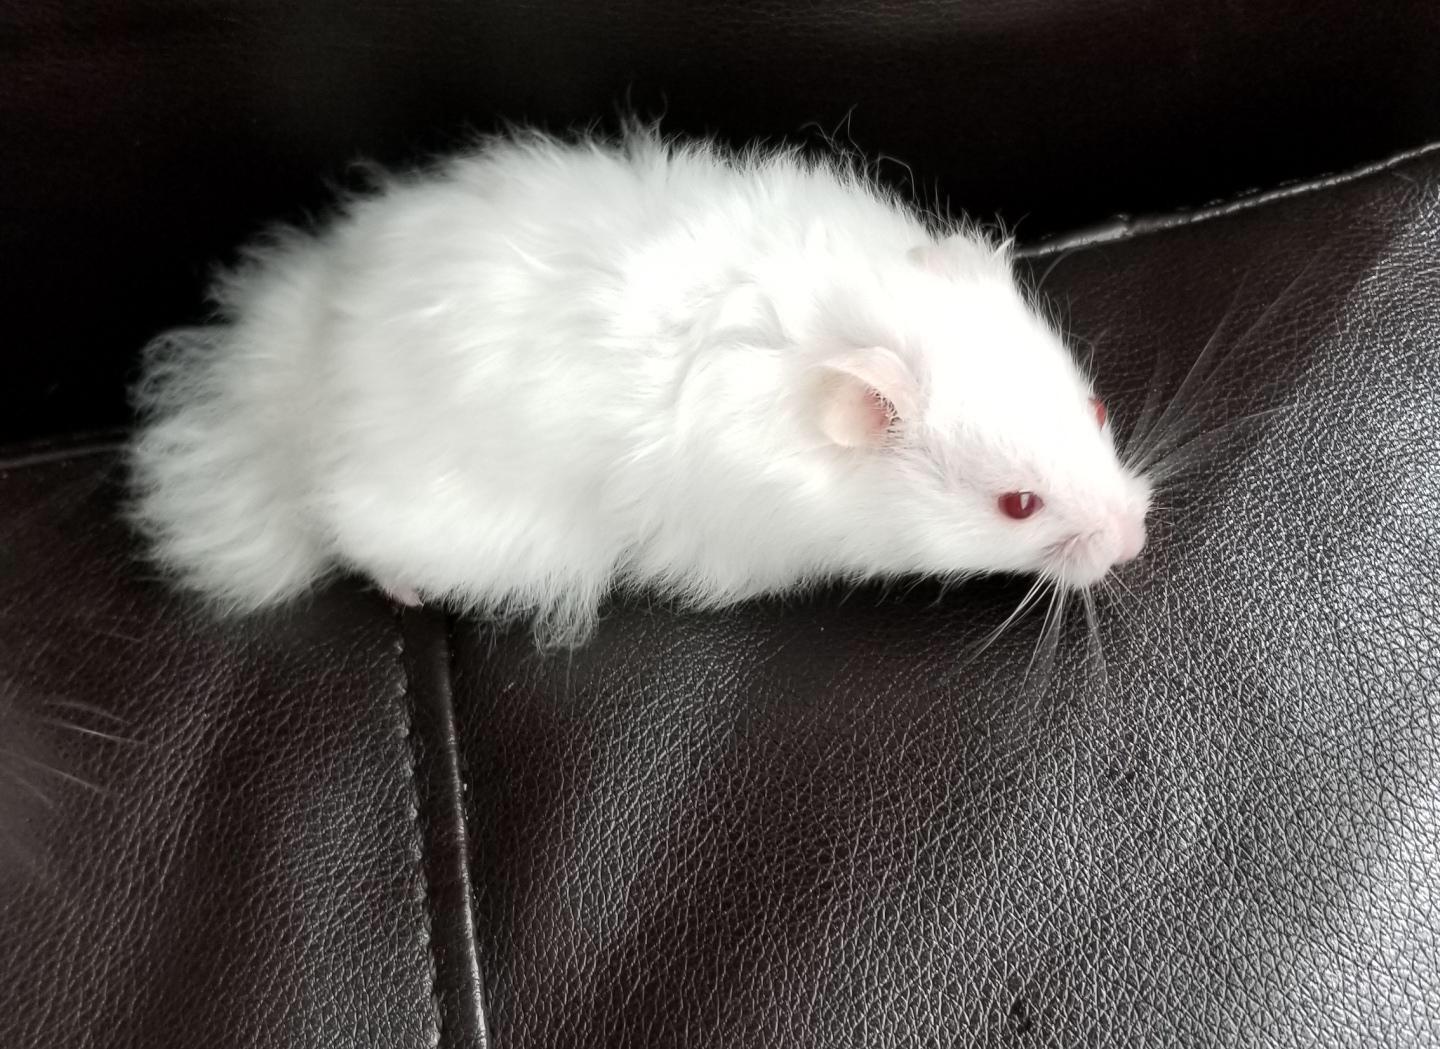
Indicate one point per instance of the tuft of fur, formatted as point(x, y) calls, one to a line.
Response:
point(217, 467)
point(546, 369)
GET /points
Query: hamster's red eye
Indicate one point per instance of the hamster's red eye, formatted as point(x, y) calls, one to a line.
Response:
point(1098, 407)
point(1020, 505)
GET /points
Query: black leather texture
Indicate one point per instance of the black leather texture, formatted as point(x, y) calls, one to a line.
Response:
point(144, 139)
point(236, 839)
point(826, 822)
point(820, 823)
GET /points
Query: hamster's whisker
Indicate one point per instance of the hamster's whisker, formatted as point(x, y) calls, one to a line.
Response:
point(1159, 453)
point(1049, 630)
point(1097, 646)
point(944, 583)
point(1026, 602)
point(1114, 579)
point(1255, 326)
point(1107, 587)
point(1172, 461)
point(89, 708)
point(70, 726)
point(1053, 644)
point(1177, 399)
point(33, 790)
point(61, 773)
point(1056, 553)
point(1135, 438)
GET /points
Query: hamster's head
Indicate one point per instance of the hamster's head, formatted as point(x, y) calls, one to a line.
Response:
point(980, 442)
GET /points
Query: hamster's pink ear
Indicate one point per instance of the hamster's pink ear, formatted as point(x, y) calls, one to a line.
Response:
point(862, 395)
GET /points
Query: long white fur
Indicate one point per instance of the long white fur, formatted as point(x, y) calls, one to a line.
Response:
point(544, 370)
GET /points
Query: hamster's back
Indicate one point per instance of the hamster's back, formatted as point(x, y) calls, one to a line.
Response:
point(438, 387)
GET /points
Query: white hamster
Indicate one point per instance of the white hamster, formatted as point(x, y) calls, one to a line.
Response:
point(546, 370)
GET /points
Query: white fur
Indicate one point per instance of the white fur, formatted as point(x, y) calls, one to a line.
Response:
point(545, 370)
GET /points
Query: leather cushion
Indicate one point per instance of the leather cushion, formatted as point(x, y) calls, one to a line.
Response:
point(820, 823)
point(241, 858)
point(816, 822)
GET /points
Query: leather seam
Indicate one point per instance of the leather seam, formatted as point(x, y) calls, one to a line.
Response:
point(472, 940)
point(435, 1028)
point(1124, 230)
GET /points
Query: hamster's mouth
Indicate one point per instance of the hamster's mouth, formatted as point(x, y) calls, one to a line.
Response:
point(1083, 560)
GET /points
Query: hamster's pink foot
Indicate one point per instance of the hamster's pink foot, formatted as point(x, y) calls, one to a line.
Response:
point(403, 595)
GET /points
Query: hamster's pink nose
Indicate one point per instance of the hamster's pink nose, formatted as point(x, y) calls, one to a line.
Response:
point(1131, 530)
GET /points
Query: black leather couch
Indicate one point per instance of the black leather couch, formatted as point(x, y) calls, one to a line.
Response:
point(806, 824)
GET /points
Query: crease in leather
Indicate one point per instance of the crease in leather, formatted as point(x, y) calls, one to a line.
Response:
point(1127, 229)
point(457, 993)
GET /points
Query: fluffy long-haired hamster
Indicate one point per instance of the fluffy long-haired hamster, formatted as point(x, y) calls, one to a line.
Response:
point(546, 370)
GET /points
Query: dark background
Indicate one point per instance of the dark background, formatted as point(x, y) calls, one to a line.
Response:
point(232, 113)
